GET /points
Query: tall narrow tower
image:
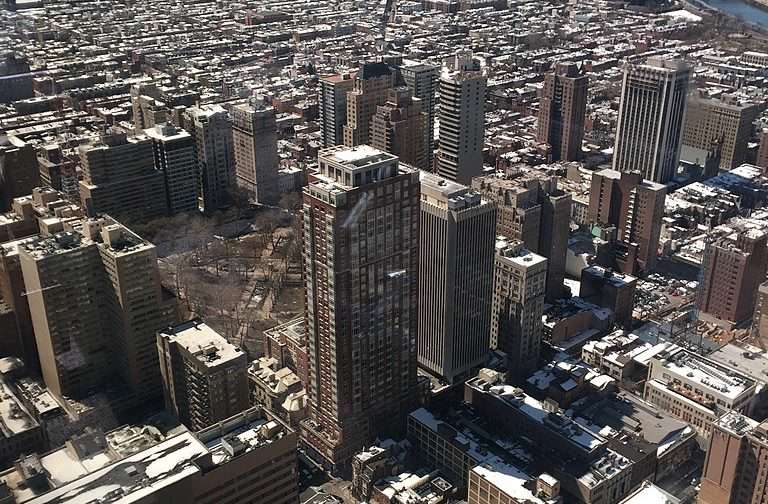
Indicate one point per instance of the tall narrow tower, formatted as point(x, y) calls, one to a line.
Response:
point(370, 88)
point(462, 120)
point(422, 79)
point(254, 132)
point(651, 118)
point(361, 240)
point(458, 234)
point(174, 152)
point(398, 128)
point(333, 108)
point(211, 128)
point(561, 114)
point(519, 286)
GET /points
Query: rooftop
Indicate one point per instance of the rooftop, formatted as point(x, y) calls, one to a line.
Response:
point(203, 343)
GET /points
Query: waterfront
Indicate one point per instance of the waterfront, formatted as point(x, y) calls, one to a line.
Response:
point(741, 9)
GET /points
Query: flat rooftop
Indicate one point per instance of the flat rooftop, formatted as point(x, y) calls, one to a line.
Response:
point(202, 342)
point(133, 478)
point(709, 375)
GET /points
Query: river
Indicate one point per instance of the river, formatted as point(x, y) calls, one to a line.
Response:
point(741, 9)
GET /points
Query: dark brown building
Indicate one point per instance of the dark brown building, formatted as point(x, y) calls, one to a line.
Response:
point(361, 254)
point(611, 290)
point(398, 128)
point(762, 151)
point(18, 169)
point(734, 265)
point(561, 111)
point(634, 206)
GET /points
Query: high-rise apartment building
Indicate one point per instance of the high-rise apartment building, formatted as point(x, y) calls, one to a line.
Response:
point(635, 207)
point(519, 287)
point(333, 107)
point(422, 79)
point(371, 86)
point(211, 129)
point(254, 132)
point(18, 169)
point(462, 119)
point(457, 239)
point(120, 178)
point(96, 302)
point(361, 260)
point(734, 266)
point(735, 470)
point(532, 209)
point(726, 121)
point(562, 109)
point(651, 118)
point(398, 128)
point(205, 378)
point(174, 153)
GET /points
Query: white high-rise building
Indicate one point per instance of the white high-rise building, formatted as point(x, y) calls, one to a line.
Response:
point(458, 234)
point(462, 119)
point(651, 118)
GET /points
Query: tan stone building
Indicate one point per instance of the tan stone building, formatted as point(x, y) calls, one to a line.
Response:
point(713, 120)
point(398, 128)
point(532, 208)
point(519, 287)
point(96, 302)
point(254, 132)
point(371, 86)
point(120, 179)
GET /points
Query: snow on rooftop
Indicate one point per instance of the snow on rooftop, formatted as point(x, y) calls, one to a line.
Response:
point(649, 493)
point(507, 478)
point(133, 478)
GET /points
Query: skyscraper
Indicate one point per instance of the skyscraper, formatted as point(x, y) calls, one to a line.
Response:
point(205, 378)
point(96, 302)
point(562, 109)
point(120, 179)
point(532, 209)
point(714, 120)
point(462, 119)
point(422, 79)
point(211, 128)
point(361, 240)
point(254, 132)
point(458, 234)
point(398, 128)
point(174, 153)
point(333, 107)
point(635, 207)
point(519, 286)
point(370, 89)
point(734, 266)
point(651, 118)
